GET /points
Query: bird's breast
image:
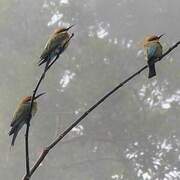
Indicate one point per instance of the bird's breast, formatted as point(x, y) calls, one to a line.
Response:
point(153, 50)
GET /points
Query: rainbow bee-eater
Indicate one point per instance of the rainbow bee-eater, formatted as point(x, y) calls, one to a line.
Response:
point(153, 50)
point(57, 43)
point(22, 114)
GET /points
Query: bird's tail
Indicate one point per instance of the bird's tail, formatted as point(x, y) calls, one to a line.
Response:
point(41, 61)
point(152, 69)
point(46, 61)
point(14, 137)
point(12, 130)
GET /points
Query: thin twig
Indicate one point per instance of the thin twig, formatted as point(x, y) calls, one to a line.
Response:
point(28, 174)
point(28, 125)
point(61, 136)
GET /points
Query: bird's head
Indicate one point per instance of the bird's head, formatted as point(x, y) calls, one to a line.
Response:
point(149, 39)
point(27, 99)
point(62, 29)
point(153, 38)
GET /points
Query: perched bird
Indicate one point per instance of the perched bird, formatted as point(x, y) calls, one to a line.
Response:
point(56, 44)
point(21, 115)
point(153, 50)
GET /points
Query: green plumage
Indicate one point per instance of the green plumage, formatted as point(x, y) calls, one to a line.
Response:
point(57, 40)
point(20, 117)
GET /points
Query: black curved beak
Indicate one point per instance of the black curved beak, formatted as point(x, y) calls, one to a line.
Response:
point(39, 95)
point(70, 27)
point(161, 36)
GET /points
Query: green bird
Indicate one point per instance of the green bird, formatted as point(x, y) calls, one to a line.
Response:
point(153, 50)
point(21, 115)
point(56, 45)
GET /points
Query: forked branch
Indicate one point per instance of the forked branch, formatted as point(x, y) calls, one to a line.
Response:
point(61, 136)
point(28, 174)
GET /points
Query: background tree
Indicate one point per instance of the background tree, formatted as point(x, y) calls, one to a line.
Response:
point(133, 135)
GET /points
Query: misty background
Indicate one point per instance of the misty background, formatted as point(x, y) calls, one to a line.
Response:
point(134, 134)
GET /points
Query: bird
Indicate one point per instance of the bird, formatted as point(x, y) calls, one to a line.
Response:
point(153, 50)
point(22, 114)
point(56, 44)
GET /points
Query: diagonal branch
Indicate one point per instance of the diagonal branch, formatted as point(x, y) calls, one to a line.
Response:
point(61, 136)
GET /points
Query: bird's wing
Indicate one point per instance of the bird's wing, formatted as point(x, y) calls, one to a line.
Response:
point(54, 42)
point(151, 52)
point(20, 114)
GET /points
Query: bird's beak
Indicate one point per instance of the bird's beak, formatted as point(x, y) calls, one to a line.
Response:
point(39, 95)
point(160, 36)
point(70, 27)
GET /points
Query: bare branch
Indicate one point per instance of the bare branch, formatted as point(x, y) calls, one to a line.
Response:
point(28, 174)
point(28, 125)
